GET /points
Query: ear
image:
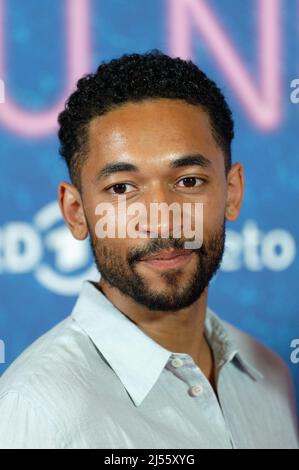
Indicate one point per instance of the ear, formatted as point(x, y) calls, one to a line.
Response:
point(235, 192)
point(71, 207)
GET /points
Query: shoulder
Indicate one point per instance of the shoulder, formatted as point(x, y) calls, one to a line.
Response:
point(262, 357)
point(276, 376)
point(274, 370)
point(275, 388)
point(48, 394)
point(50, 354)
point(51, 371)
point(44, 392)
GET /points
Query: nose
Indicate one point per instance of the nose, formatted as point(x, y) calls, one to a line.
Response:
point(162, 216)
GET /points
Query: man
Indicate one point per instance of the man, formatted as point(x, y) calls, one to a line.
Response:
point(142, 361)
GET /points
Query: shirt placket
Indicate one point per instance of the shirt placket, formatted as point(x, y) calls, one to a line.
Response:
point(200, 389)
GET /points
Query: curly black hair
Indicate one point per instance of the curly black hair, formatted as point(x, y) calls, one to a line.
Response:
point(132, 78)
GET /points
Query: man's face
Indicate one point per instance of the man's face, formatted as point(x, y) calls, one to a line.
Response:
point(151, 135)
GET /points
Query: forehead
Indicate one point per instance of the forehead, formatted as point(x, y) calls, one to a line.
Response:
point(151, 132)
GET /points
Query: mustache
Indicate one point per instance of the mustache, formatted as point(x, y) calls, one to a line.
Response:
point(157, 245)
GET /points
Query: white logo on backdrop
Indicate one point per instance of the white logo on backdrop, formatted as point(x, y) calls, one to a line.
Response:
point(25, 245)
point(295, 353)
point(256, 250)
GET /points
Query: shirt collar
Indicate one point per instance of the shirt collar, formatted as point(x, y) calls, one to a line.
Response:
point(229, 344)
point(136, 358)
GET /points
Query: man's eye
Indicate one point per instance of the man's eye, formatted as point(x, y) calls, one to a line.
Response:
point(190, 182)
point(119, 188)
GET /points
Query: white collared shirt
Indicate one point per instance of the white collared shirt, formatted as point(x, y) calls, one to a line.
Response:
point(96, 380)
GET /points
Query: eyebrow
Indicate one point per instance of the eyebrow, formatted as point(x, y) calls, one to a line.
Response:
point(112, 168)
point(186, 160)
point(191, 160)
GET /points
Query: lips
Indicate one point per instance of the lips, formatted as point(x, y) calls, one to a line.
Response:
point(166, 255)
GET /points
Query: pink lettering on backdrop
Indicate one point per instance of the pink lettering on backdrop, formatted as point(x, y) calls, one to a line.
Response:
point(264, 104)
point(261, 101)
point(41, 123)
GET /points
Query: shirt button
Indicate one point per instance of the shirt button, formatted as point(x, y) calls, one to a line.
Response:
point(177, 362)
point(196, 390)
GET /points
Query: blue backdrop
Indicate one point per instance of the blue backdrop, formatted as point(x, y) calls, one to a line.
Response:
point(250, 48)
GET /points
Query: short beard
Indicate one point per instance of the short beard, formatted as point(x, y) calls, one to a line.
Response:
point(124, 277)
